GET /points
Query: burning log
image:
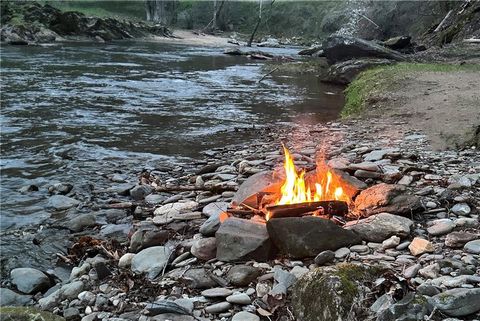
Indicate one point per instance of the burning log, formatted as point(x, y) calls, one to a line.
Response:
point(321, 208)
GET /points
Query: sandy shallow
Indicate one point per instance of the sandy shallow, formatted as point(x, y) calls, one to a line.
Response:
point(188, 37)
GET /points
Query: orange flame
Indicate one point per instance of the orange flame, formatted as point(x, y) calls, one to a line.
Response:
point(296, 189)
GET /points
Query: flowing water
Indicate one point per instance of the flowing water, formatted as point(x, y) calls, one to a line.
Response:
point(70, 111)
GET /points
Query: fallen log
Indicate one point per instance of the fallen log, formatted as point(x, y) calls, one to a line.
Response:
point(471, 40)
point(322, 208)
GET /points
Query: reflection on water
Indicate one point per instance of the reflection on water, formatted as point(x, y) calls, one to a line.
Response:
point(71, 110)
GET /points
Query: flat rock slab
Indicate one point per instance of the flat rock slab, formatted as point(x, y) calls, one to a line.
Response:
point(239, 239)
point(377, 228)
point(386, 198)
point(256, 183)
point(300, 237)
point(217, 292)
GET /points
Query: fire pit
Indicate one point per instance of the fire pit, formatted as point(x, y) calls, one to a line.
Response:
point(295, 212)
point(301, 213)
point(296, 193)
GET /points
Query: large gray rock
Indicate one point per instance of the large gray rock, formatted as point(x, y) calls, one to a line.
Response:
point(29, 281)
point(300, 237)
point(61, 202)
point(343, 73)
point(458, 302)
point(11, 298)
point(151, 261)
point(239, 239)
point(377, 228)
point(386, 198)
point(330, 293)
point(341, 48)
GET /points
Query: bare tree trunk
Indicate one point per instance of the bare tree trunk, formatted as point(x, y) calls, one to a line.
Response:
point(249, 43)
point(156, 11)
point(214, 20)
point(216, 12)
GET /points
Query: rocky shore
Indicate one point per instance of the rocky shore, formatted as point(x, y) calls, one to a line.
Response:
point(30, 22)
point(154, 247)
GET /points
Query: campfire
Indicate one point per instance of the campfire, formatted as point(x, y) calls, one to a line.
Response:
point(297, 193)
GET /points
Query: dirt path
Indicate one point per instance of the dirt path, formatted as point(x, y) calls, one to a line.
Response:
point(444, 105)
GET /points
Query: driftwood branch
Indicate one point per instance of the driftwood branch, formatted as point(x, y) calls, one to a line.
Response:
point(370, 20)
point(471, 40)
point(440, 25)
point(267, 74)
point(194, 188)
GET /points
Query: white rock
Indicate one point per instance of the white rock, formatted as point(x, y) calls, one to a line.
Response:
point(393, 241)
point(126, 260)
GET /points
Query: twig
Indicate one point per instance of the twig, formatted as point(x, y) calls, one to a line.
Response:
point(431, 314)
point(194, 188)
point(168, 259)
point(268, 73)
point(378, 27)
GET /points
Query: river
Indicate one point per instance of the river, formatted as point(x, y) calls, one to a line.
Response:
point(72, 112)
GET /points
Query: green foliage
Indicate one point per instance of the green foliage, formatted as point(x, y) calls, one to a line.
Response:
point(104, 8)
point(307, 19)
point(379, 79)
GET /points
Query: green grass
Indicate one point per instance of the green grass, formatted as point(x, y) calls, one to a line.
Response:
point(383, 78)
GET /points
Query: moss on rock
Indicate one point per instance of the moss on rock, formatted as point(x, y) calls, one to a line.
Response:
point(27, 314)
point(331, 293)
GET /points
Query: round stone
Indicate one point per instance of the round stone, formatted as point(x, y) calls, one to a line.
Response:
point(245, 316)
point(461, 209)
point(472, 247)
